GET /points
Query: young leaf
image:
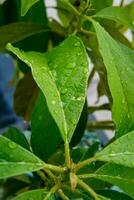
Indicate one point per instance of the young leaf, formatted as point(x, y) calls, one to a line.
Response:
point(15, 160)
point(118, 60)
point(34, 195)
point(45, 133)
point(120, 152)
point(122, 15)
point(26, 5)
point(17, 31)
point(120, 176)
point(98, 5)
point(17, 136)
point(62, 77)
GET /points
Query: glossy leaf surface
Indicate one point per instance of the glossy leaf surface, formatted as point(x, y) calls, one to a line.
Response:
point(62, 76)
point(15, 160)
point(26, 5)
point(120, 152)
point(33, 195)
point(118, 60)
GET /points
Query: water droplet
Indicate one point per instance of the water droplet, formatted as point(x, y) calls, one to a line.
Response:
point(77, 44)
point(73, 98)
point(53, 102)
point(128, 115)
point(73, 121)
point(123, 101)
point(71, 65)
point(64, 91)
point(54, 73)
point(79, 54)
point(40, 118)
point(12, 145)
point(61, 104)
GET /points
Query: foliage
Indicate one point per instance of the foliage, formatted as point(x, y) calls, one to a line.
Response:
point(53, 60)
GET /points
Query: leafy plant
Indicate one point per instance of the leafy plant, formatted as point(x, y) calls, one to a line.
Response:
point(51, 95)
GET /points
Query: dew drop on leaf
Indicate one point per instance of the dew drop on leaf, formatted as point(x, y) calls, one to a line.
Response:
point(12, 145)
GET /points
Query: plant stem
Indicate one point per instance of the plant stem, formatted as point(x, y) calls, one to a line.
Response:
point(55, 168)
point(50, 174)
point(52, 191)
point(83, 163)
point(121, 3)
point(62, 195)
point(72, 7)
point(42, 175)
point(84, 176)
point(67, 154)
point(88, 189)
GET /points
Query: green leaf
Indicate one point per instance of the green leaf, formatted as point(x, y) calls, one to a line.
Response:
point(62, 81)
point(17, 136)
point(120, 176)
point(34, 195)
point(25, 96)
point(118, 60)
point(120, 15)
point(98, 5)
point(45, 134)
point(15, 32)
point(15, 160)
point(26, 5)
point(120, 152)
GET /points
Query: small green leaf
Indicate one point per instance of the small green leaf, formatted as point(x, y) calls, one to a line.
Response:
point(34, 195)
point(99, 5)
point(120, 15)
point(120, 176)
point(118, 60)
point(120, 152)
point(15, 160)
point(17, 31)
point(62, 76)
point(45, 133)
point(26, 5)
point(17, 136)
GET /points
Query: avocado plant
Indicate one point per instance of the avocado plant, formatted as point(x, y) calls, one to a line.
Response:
point(53, 74)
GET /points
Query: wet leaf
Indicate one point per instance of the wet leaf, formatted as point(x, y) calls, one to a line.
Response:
point(118, 60)
point(120, 151)
point(34, 195)
point(120, 176)
point(26, 5)
point(120, 15)
point(62, 76)
point(15, 160)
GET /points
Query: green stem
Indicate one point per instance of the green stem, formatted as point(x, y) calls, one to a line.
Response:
point(84, 176)
point(67, 154)
point(83, 163)
point(62, 195)
point(50, 174)
point(88, 189)
point(52, 191)
point(121, 3)
point(42, 175)
point(55, 168)
point(72, 7)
